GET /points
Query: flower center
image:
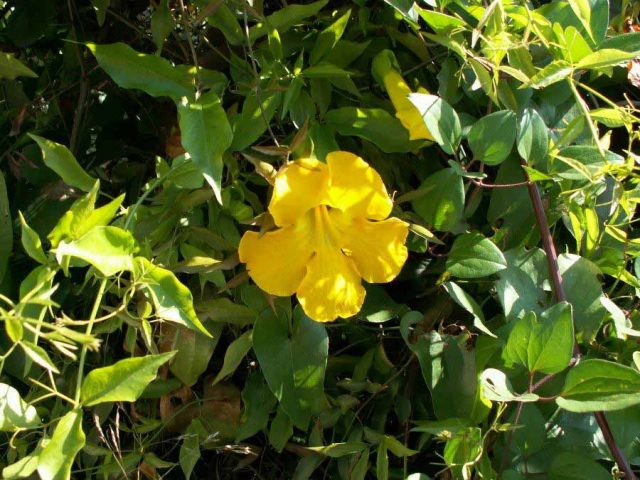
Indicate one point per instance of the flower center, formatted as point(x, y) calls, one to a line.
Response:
point(324, 231)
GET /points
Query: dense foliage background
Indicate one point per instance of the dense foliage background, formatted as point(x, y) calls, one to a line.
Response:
point(139, 140)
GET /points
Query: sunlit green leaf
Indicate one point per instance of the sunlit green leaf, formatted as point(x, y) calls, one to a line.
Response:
point(124, 381)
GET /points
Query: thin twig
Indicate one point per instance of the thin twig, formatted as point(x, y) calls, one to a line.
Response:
point(556, 279)
point(480, 183)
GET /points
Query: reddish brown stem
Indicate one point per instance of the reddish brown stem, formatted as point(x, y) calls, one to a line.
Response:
point(556, 280)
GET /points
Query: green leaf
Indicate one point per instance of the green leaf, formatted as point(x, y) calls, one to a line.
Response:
point(280, 431)
point(15, 413)
point(193, 352)
point(172, 300)
point(236, 351)
point(124, 381)
point(573, 466)
point(190, 448)
point(101, 7)
point(497, 387)
point(285, 18)
point(543, 345)
point(293, 358)
point(373, 124)
point(462, 451)
point(554, 72)
point(254, 119)
point(6, 228)
point(258, 405)
point(151, 74)
point(584, 291)
point(582, 9)
point(31, 242)
point(337, 450)
point(475, 256)
point(447, 366)
point(11, 68)
point(533, 137)
point(441, 120)
point(520, 285)
point(57, 457)
point(328, 38)
point(606, 58)
point(83, 216)
point(60, 159)
point(206, 134)
point(491, 138)
point(109, 249)
point(162, 24)
point(24, 467)
point(627, 42)
point(39, 356)
point(382, 462)
point(463, 299)
point(440, 22)
point(600, 385)
point(442, 205)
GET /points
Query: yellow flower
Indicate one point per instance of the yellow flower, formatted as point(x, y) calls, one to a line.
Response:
point(385, 69)
point(332, 234)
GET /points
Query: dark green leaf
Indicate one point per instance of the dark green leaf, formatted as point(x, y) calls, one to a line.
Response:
point(6, 228)
point(463, 299)
point(194, 351)
point(328, 38)
point(491, 138)
point(600, 385)
point(162, 24)
point(255, 117)
point(533, 137)
point(101, 7)
point(258, 404)
point(280, 431)
point(373, 124)
point(293, 358)
point(151, 74)
point(474, 256)
point(284, 18)
point(206, 134)
point(442, 204)
point(236, 351)
point(573, 466)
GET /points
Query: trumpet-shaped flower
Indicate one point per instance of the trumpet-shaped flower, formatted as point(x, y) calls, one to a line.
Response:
point(384, 68)
point(333, 232)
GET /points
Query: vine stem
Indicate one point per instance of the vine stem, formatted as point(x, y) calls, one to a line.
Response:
point(558, 287)
point(83, 352)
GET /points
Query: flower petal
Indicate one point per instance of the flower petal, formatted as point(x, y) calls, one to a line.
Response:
point(277, 260)
point(356, 187)
point(299, 186)
point(331, 288)
point(377, 248)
